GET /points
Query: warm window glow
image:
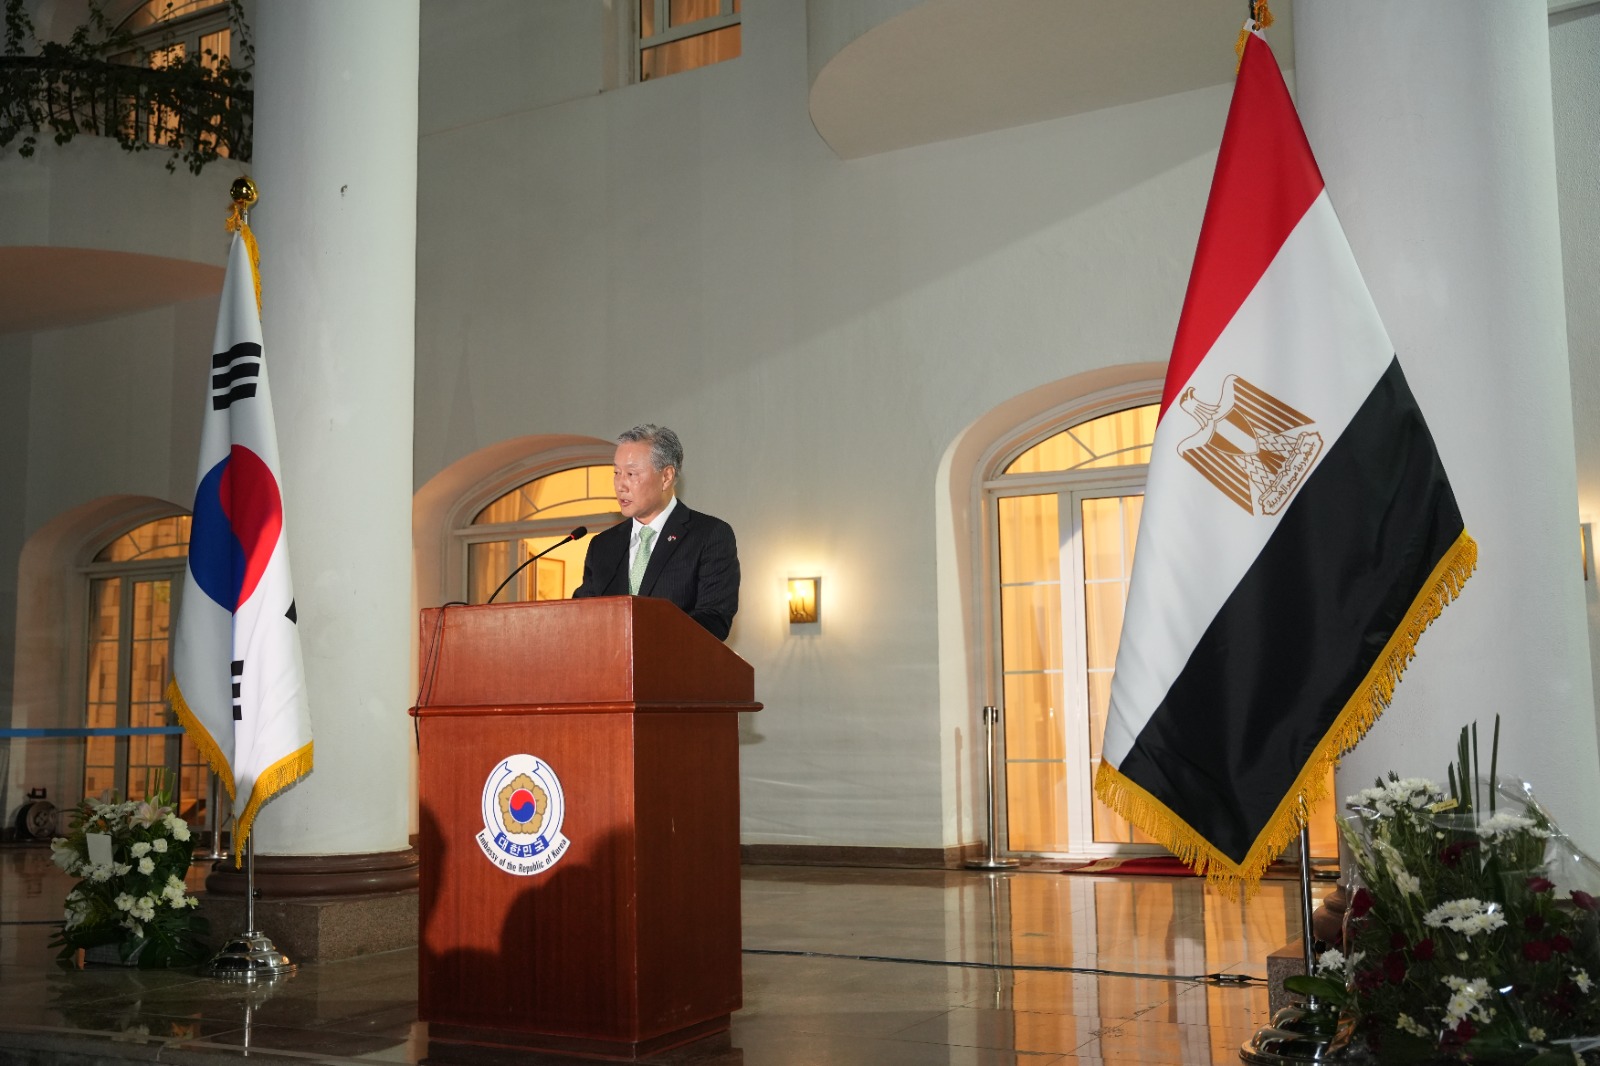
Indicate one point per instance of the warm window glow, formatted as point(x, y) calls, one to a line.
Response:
point(580, 491)
point(132, 585)
point(1065, 556)
point(165, 538)
point(158, 11)
point(679, 35)
point(167, 33)
point(1120, 439)
point(538, 514)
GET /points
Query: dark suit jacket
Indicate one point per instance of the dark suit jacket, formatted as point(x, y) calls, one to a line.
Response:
point(694, 563)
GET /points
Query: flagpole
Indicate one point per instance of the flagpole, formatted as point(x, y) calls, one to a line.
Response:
point(1305, 889)
point(1296, 1034)
point(250, 956)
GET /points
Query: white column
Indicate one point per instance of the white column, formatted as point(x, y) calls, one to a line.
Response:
point(1432, 123)
point(336, 162)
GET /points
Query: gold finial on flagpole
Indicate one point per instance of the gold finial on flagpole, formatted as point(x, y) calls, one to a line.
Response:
point(244, 193)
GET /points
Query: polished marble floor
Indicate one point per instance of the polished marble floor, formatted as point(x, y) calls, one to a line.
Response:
point(841, 967)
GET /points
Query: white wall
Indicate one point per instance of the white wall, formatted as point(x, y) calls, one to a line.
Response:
point(688, 251)
point(1574, 59)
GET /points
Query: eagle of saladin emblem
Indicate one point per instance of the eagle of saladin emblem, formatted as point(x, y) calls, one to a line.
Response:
point(524, 806)
point(1252, 446)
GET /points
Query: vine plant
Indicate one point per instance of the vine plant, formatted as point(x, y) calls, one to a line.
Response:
point(100, 82)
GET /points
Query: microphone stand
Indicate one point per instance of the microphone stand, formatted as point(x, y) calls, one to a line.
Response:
point(574, 535)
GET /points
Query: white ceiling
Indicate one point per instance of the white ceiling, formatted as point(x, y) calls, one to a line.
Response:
point(952, 68)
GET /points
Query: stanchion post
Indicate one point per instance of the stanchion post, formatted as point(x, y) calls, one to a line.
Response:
point(992, 861)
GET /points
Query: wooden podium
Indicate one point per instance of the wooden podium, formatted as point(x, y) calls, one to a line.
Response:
point(617, 931)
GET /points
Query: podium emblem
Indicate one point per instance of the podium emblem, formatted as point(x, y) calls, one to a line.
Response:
point(522, 811)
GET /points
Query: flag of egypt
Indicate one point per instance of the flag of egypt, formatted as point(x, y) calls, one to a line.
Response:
point(1299, 531)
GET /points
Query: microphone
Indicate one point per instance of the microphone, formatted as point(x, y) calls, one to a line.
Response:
point(576, 534)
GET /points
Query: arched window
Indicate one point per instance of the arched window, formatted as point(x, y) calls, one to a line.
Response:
point(530, 518)
point(134, 584)
point(1065, 511)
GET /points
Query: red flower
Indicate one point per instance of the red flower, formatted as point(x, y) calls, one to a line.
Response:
point(1394, 967)
point(1451, 853)
point(1560, 944)
point(1367, 980)
point(1533, 923)
point(1584, 900)
point(1537, 885)
point(1536, 951)
point(1423, 950)
point(1360, 903)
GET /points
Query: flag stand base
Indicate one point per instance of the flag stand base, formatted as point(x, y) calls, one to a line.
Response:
point(1296, 1035)
point(251, 956)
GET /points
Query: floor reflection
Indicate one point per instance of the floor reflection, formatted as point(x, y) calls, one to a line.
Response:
point(880, 967)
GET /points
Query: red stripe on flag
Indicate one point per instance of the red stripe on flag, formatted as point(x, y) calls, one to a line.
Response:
point(1263, 147)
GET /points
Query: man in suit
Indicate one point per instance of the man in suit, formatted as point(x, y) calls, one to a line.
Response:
point(663, 549)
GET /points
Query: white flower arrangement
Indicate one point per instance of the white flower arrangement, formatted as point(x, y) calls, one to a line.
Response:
point(137, 901)
point(1472, 931)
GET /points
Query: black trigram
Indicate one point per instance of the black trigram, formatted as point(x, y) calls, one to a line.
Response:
point(234, 374)
point(238, 679)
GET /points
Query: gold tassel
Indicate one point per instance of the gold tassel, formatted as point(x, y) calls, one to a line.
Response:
point(1260, 18)
point(273, 780)
point(201, 736)
point(1360, 713)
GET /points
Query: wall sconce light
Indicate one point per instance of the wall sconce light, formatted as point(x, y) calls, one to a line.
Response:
point(1586, 545)
point(805, 600)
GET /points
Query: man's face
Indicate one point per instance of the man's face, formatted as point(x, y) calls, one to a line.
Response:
point(642, 490)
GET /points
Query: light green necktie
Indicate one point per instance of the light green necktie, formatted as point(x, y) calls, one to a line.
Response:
point(641, 559)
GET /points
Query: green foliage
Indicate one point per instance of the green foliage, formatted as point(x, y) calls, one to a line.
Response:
point(99, 82)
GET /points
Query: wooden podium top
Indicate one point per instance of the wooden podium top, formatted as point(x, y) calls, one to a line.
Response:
point(575, 655)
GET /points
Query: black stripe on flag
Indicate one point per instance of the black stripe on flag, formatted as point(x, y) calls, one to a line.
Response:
point(1297, 636)
point(236, 373)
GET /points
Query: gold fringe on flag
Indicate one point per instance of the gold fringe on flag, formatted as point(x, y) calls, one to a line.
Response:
point(273, 780)
point(201, 736)
point(1360, 713)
